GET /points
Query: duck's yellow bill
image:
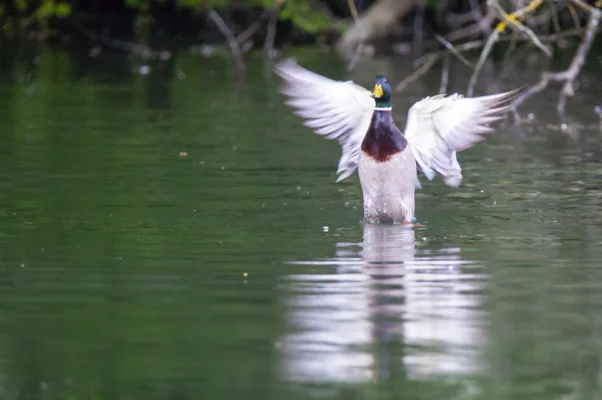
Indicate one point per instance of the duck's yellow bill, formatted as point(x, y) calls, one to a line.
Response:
point(377, 92)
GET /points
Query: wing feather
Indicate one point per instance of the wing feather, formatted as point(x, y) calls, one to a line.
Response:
point(336, 110)
point(438, 127)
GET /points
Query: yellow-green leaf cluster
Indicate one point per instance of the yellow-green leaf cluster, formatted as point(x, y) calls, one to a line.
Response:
point(51, 8)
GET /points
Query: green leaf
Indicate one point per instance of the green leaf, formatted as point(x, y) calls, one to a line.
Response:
point(21, 5)
point(304, 16)
point(50, 9)
point(62, 9)
point(46, 10)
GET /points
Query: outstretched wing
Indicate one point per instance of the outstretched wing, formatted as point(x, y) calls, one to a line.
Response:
point(334, 109)
point(439, 126)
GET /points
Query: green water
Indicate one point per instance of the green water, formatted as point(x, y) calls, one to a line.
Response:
point(179, 235)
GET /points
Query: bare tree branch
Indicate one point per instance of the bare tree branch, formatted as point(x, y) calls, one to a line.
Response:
point(271, 34)
point(488, 46)
point(234, 47)
point(513, 20)
point(418, 73)
point(454, 51)
point(360, 45)
point(570, 74)
point(246, 35)
point(375, 22)
point(444, 76)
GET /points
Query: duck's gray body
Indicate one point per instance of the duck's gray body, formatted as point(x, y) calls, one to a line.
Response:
point(387, 198)
point(387, 160)
point(387, 171)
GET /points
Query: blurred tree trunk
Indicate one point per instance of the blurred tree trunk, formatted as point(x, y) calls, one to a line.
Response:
point(376, 22)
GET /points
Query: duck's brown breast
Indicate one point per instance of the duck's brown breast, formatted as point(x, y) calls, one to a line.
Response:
point(383, 139)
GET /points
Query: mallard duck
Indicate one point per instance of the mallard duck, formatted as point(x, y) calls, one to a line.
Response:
point(388, 162)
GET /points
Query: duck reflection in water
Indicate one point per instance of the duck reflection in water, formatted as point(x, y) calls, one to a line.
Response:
point(384, 308)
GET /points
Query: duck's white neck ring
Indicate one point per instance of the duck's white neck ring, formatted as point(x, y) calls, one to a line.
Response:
point(382, 108)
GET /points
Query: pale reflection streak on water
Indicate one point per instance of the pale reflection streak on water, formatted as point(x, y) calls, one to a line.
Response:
point(379, 292)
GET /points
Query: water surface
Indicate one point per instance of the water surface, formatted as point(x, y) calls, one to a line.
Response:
point(179, 235)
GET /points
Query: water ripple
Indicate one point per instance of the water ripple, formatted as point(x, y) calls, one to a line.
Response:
point(382, 292)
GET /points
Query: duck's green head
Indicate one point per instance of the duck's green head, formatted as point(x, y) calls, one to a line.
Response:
point(381, 92)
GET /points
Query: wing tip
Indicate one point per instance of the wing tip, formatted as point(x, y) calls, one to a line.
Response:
point(285, 62)
point(503, 99)
point(453, 180)
point(344, 174)
point(428, 172)
point(495, 106)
